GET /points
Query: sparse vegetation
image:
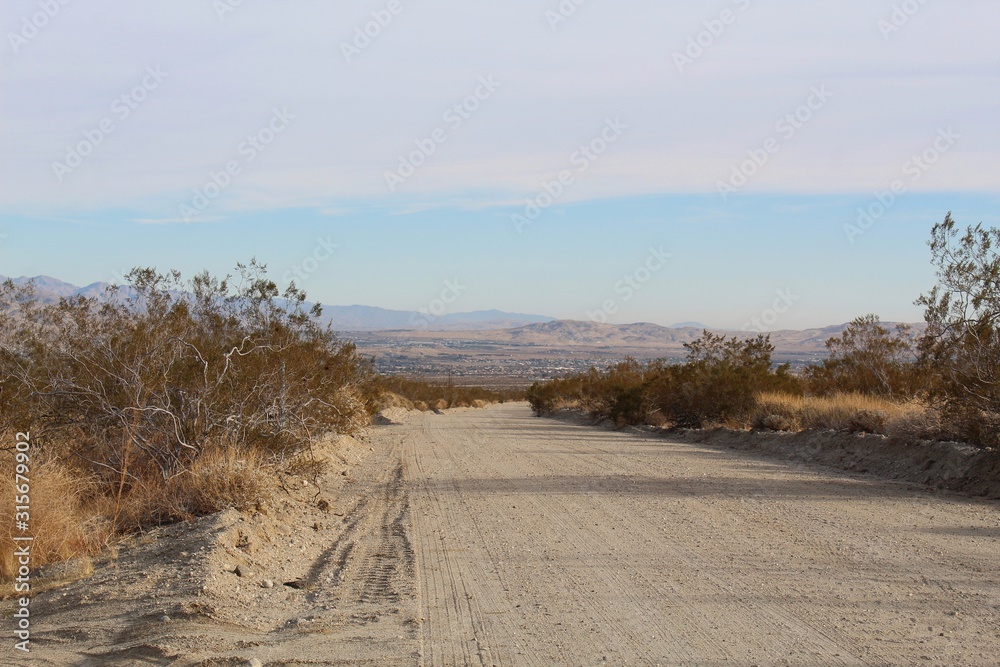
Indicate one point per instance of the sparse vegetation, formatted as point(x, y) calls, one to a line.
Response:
point(962, 342)
point(168, 399)
point(414, 394)
point(869, 359)
point(780, 411)
point(943, 384)
point(717, 384)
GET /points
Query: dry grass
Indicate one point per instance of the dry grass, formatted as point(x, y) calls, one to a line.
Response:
point(842, 412)
point(71, 520)
point(63, 522)
point(218, 479)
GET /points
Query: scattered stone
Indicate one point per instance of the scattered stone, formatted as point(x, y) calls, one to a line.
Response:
point(239, 571)
point(297, 584)
point(165, 618)
point(323, 505)
point(267, 583)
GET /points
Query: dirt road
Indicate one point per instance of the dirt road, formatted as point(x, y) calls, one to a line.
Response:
point(490, 537)
point(545, 543)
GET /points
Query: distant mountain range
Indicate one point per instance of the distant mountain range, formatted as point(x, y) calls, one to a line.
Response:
point(49, 289)
point(342, 318)
point(371, 318)
point(499, 326)
point(572, 333)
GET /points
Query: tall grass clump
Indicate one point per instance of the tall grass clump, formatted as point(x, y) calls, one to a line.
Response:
point(842, 412)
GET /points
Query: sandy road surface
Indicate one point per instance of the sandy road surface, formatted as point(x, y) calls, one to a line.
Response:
point(490, 537)
point(545, 543)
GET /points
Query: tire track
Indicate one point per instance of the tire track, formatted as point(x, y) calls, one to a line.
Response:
point(542, 543)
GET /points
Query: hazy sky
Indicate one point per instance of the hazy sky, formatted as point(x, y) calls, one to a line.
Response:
point(635, 160)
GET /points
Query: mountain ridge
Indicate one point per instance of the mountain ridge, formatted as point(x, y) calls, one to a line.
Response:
point(343, 318)
point(520, 328)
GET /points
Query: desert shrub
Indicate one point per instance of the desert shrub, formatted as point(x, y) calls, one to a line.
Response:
point(773, 422)
point(870, 359)
point(868, 421)
point(718, 383)
point(618, 392)
point(548, 397)
point(158, 394)
point(961, 345)
point(916, 425)
point(441, 395)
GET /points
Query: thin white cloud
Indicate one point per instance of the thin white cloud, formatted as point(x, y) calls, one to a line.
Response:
point(224, 77)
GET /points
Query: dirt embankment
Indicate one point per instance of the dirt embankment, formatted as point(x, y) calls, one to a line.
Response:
point(941, 465)
point(322, 576)
point(948, 466)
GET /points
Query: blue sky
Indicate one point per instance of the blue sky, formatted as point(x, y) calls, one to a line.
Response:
point(541, 154)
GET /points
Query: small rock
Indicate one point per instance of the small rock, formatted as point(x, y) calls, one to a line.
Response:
point(323, 505)
point(165, 618)
point(267, 583)
point(254, 662)
point(239, 571)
